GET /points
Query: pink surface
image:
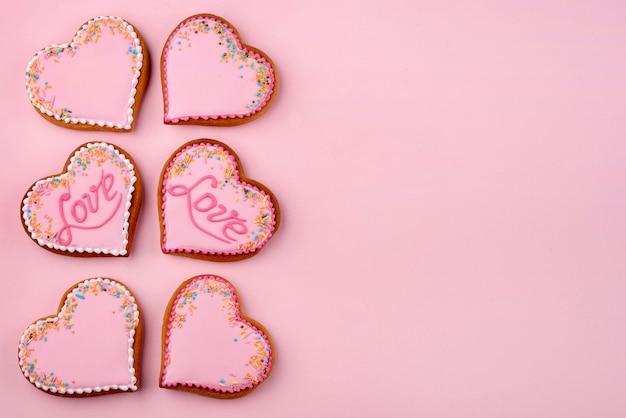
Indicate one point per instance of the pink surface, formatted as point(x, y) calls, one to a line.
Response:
point(454, 229)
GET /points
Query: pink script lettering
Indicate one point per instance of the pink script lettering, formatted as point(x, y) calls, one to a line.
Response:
point(87, 204)
point(206, 206)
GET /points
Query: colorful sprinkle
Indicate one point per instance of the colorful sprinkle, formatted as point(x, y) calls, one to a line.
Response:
point(43, 329)
point(234, 51)
point(223, 293)
point(89, 34)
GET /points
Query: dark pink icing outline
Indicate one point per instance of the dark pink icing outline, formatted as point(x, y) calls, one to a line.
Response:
point(235, 176)
point(257, 56)
point(238, 318)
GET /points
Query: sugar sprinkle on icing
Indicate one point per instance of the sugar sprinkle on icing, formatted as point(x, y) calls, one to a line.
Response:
point(90, 33)
point(214, 289)
point(42, 331)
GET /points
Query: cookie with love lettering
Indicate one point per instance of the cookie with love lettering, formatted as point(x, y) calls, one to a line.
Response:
point(208, 209)
point(92, 346)
point(91, 208)
point(210, 77)
point(209, 347)
point(94, 82)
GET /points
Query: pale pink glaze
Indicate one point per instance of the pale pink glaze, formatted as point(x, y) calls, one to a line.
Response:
point(89, 346)
point(206, 209)
point(208, 345)
point(207, 74)
point(86, 209)
point(92, 80)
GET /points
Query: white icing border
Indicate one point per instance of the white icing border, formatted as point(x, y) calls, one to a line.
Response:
point(125, 225)
point(133, 91)
point(81, 391)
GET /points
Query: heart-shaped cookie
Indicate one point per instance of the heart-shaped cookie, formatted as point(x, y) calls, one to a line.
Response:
point(209, 346)
point(89, 210)
point(209, 209)
point(91, 347)
point(95, 82)
point(210, 77)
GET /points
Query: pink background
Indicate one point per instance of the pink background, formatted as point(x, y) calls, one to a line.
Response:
point(454, 218)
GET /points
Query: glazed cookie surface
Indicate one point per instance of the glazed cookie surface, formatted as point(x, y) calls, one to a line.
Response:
point(95, 82)
point(90, 347)
point(91, 209)
point(209, 77)
point(209, 209)
point(209, 347)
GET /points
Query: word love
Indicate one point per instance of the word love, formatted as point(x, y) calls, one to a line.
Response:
point(201, 183)
point(90, 210)
point(203, 206)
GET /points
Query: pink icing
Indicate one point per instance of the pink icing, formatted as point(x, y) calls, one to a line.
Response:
point(208, 74)
point(209, 345)
point(89, 346)
point(207, 209)
point(92, 80)
point(86, 209)
point(208, 217)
